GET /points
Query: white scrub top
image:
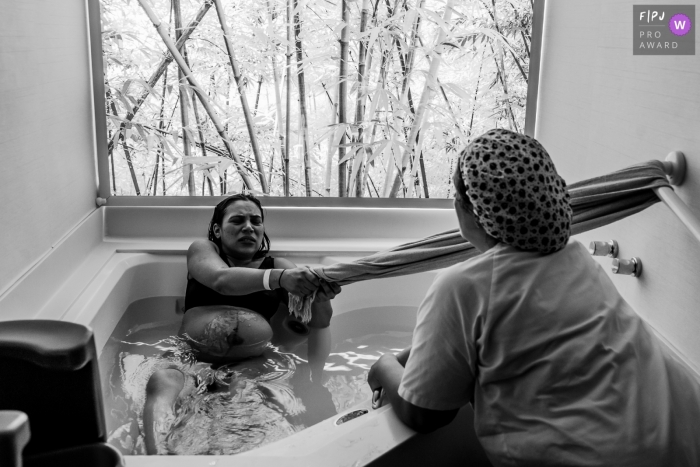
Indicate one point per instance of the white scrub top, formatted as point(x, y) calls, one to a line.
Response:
point(558, 367)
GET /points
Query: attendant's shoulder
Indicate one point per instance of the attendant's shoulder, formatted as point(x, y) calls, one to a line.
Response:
point(470, 273)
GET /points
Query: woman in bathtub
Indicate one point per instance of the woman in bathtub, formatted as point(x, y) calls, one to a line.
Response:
point(558, 368)
point(235, 296)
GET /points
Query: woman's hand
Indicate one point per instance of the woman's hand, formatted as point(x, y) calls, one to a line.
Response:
point(299, 281)
point(327, 291)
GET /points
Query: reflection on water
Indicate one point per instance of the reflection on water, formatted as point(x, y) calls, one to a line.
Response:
point(238, 406)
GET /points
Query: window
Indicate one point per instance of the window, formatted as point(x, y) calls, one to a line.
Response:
point(380, 96)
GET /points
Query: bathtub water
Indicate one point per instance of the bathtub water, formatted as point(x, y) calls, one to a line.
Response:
point(274, 389)
point(376, 438)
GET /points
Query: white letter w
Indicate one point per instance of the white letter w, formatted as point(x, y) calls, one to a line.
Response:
point(679, 25)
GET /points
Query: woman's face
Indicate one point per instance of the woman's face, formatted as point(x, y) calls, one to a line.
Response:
point(241, 230)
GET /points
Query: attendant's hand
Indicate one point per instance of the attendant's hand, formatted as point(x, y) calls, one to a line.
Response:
point(327, 291)
point(373, 379)
point(376, 369)
point(299, 281)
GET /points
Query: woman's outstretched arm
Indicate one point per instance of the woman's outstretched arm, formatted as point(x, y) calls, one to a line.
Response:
point(207, 267)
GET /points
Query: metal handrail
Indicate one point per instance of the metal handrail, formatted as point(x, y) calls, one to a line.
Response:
point(675, 168)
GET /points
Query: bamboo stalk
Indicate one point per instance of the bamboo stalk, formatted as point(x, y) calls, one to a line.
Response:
point(167, 59)
point(527, 49)
point(343, 93)
point(424, 177)
point(358, 160)
point(502, 79)
point(391, 161)
point(329, 155)
point(241, 92)
point(382, 83)
point(199, 123)
point(302, 98)
point(257, 96)
point(278, 108)
point(288, 103)
point(223, 177)
point(503, 38)
point(271, 16)
point(187, 172)
point(425, 98)
point(121, 139)
point(410, 59)
point(195, 85)
point(502, 70)
point(452, 113)
point(161, 124)
point(407, 70)
point(405, 88)
point(476, 93)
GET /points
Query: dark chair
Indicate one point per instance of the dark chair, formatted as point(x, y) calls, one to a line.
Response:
point(48, 371)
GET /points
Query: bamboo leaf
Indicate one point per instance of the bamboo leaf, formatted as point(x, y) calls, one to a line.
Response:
point(151, 142)
point(350, 155)
point(435, 18)
point(408, 20)
point(190, 134)
point(123, 100)
point(339, 132)
point(457, 90)
point(115, 138)
point(205, 160)
point(378, 150)
point(337, 30)
point(140, 130)
point(374, 34)
point(144, 83)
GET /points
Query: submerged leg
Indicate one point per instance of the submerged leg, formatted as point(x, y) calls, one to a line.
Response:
point(162, 392)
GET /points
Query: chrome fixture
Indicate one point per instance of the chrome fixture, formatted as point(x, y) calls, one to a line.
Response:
point(630, 267)
point(609, 248)
point(675, 168)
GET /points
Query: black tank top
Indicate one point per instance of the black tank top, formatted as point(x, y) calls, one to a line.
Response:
point(264, 302)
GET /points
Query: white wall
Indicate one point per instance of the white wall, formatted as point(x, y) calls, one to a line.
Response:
point(601, 109)
point(47, 168)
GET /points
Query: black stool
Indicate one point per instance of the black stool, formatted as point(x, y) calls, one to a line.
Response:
point(48, 371)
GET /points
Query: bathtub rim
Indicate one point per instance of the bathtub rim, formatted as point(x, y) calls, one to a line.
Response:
point(361, 441)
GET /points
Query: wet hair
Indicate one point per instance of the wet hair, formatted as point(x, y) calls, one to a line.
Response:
point(218, 217)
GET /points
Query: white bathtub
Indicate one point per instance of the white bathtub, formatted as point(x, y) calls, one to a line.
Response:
point(119, 255)
point(127, 277)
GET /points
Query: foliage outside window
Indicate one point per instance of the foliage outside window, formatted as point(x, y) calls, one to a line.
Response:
point(367, 98)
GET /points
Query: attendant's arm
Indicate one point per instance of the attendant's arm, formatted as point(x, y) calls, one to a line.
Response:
point(386, 374)
point(207, 267)
point(402, 356)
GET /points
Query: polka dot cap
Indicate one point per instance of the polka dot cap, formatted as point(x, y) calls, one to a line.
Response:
point(517, 194)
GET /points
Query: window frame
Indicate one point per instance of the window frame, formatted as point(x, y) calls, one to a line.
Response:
point(104, 195)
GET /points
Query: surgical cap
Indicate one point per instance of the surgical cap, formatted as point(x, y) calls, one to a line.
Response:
point(516, 193)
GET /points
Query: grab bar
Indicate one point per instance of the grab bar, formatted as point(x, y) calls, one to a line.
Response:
point(675, 168)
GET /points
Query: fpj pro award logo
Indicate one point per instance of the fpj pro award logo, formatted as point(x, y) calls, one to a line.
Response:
point(664, 29)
